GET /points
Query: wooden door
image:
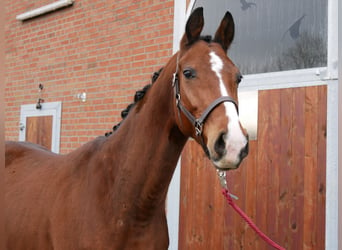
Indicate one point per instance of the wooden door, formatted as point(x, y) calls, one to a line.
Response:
point(280, 185)
point(41, 126)
point(39, 130)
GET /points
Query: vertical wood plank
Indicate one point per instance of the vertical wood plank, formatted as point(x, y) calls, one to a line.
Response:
point(284, 163)
point(237, 187)
point(295, 230)
point(261, 183)
point(321, 165)
point(249, 166)
point(310, 168)
point(276, 137)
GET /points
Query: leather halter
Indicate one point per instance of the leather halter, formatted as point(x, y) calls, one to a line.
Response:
point(198, 122)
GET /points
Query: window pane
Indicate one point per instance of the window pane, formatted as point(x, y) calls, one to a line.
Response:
point(272, 35)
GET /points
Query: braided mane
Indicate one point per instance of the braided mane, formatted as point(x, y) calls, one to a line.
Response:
point(137, 97)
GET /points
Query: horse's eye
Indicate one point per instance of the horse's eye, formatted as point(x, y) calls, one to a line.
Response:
point(189, 73)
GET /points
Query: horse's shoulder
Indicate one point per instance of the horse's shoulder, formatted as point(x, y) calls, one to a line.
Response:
point(17, 150)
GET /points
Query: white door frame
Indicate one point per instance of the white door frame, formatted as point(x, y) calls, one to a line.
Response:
point(53, 109)
point(173, 202)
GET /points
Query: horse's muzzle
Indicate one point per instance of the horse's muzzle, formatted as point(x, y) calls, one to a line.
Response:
point(228, 152)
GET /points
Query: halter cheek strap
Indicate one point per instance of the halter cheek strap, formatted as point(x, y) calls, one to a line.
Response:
point(198, 123)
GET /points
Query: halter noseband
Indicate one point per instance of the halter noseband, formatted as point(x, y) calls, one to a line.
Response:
point(197, 123)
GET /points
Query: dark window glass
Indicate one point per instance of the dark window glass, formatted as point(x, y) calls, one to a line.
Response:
point(272, 35)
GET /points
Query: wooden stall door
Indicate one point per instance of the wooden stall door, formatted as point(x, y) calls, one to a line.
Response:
point(280, 185)
point(39, 130)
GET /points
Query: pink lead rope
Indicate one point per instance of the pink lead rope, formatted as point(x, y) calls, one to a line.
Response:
point(229, 197)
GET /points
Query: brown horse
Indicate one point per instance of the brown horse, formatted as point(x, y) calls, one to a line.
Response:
point(110, 193)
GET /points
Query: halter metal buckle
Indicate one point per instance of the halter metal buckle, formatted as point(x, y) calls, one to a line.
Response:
point(174, 79)
point(198, 128)
point(178, 98)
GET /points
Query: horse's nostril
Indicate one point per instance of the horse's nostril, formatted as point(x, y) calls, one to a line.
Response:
point(220, 145)
point(244, 151)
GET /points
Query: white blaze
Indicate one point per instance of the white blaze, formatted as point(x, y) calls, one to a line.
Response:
point(235, 139)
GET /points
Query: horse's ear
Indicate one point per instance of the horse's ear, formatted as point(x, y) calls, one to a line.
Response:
point(225, 33)
point(193, 27)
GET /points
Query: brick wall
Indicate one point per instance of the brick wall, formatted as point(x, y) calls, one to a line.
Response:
point(108, 49)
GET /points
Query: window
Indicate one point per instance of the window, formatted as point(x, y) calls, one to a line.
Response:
point(272, 35)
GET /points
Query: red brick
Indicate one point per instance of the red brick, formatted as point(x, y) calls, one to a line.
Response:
point(105, 48)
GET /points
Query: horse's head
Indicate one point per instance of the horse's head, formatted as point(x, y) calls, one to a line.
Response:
point(206, 83)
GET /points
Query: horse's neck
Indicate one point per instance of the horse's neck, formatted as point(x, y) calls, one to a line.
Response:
point(140, 157)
